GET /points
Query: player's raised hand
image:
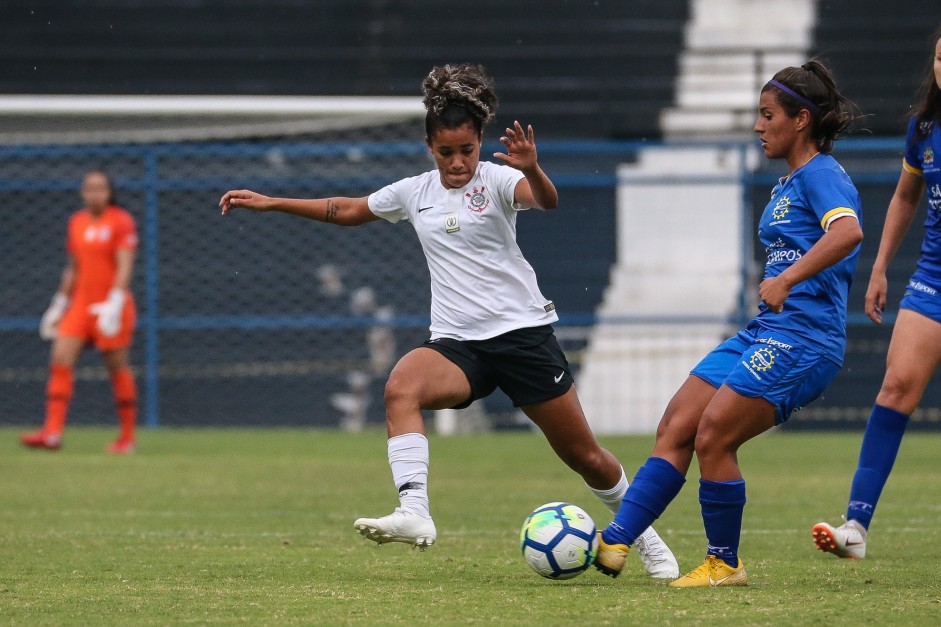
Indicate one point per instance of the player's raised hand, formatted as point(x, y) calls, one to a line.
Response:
point(520, 147)
point(875, 296)
point(244, 199)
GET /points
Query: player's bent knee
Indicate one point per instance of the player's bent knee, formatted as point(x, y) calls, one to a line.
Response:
point(899, 393)
point(711, 441)
point(670, 438)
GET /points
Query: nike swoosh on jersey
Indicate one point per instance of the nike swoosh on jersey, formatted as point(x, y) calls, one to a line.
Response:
point(559, 378)
point(425, 208)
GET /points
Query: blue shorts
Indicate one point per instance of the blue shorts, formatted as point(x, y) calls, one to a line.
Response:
point(760, 363)
point(922, 299)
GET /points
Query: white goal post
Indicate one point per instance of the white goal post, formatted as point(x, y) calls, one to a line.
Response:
point(54, 119)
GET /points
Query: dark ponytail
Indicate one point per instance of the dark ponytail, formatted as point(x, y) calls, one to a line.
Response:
point(456, 95)
point(814, 89)
point(928, 100)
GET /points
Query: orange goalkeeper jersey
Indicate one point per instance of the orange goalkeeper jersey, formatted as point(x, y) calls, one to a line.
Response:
point(94, 243)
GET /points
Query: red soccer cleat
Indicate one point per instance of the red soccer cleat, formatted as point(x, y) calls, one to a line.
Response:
point(121, 446)
point(42, 439)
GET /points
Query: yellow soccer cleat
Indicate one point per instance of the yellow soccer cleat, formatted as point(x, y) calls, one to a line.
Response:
point(610, 558)
point(714, 572)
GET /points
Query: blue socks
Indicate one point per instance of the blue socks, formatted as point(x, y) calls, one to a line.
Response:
point(722, 505)
point(655, 485)
point(877, 455)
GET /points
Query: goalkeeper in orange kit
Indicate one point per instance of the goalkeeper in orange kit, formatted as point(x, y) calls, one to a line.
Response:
point(93, 306)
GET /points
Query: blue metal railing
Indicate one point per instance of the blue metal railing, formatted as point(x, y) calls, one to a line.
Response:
point(151, 183)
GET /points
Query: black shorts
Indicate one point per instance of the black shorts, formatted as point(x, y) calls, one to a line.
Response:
point(527, 364)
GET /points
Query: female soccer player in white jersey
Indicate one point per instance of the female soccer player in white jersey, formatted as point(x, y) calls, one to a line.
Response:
point(915, 348)
point(786, 356)
point(490, 325)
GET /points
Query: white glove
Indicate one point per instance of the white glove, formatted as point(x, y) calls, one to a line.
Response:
point(49, 325)
point(109, 312)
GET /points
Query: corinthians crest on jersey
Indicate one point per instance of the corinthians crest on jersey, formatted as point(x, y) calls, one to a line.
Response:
point(476, 200)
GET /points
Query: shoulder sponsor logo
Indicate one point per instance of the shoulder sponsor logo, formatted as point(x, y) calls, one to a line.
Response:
point(476, 200)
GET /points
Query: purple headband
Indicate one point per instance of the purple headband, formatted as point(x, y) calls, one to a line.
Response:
point(796, 96)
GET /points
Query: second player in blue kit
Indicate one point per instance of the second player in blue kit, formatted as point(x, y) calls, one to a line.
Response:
point(786, 356)
point(915, 348)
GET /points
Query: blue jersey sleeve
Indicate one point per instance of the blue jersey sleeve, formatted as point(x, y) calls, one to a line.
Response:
point(912, 159)
point(831, 195)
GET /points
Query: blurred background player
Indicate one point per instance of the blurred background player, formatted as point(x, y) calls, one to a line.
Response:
point(915, 348)
point(491, 326)
point(92, 306)
point(786, 356)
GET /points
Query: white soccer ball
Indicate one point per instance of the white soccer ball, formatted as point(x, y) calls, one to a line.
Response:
point(559, 540)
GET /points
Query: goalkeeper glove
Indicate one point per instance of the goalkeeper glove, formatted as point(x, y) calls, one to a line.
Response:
point(49, 325)
point(109, 312)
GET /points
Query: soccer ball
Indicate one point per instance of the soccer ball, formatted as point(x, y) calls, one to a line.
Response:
point(559, 540)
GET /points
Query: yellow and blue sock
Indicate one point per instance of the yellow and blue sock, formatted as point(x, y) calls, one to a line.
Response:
point(877, 455)
point(655, 485)
point(723, 503)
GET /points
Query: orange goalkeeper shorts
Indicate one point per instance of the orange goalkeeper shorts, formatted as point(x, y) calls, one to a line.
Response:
point(79, 322)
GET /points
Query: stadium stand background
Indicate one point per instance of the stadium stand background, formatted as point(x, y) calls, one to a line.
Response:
point(598, 70)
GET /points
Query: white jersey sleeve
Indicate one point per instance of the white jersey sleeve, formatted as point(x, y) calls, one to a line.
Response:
point(391, 202)
point(507, 179)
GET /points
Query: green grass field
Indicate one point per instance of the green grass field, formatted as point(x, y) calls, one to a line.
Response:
point(255, 526)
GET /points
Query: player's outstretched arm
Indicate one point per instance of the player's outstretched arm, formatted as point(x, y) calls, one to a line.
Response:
point(342, 211)
point(536, 190)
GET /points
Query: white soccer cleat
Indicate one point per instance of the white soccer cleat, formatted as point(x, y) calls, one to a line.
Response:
point(847, 540)
point(399, 526)
point(658, 559)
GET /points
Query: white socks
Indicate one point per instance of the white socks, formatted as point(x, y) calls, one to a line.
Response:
point(612, 496)
point(408, 458)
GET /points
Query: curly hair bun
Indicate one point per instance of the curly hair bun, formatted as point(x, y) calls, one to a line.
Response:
point(466, 85)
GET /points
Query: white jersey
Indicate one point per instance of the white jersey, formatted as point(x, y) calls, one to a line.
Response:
point(481, 286)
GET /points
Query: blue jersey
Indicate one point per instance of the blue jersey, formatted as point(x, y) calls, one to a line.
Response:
point(923, 158)
point(801, 210)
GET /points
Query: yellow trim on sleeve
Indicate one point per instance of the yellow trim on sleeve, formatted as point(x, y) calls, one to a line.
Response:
point(833, 214)
point(910, 168)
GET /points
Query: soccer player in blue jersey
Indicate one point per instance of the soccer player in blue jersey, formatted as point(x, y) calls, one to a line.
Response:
point(915, 348)
point(784, 357)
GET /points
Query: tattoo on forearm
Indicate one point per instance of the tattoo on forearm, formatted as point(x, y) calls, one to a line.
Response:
point(332, 208)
